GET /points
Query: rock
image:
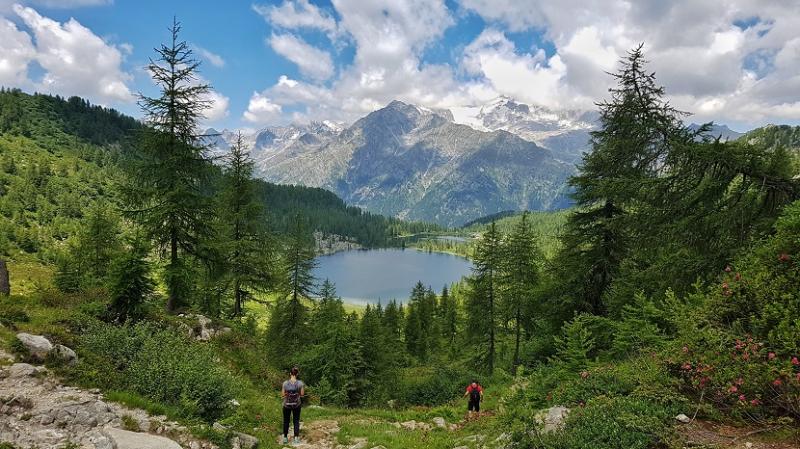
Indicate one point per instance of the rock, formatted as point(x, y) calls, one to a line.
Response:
point(683, 419)
point(36, 345)
point(246, 441)
point(552, 419)
point(18, 370)
point(439, 422)
point(64, 354)
point(414, 425)
point(748, 445)
point(219, 427)
point(234, 403)
point(123, 439)
point(378, 447)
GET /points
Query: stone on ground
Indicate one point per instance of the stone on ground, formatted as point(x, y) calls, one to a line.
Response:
point(552, 419)
point(124, 439)
point(36, 345)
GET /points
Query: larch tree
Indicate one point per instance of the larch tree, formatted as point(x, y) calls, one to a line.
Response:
point(167, 192)
point(245, 243)
point(482, 306)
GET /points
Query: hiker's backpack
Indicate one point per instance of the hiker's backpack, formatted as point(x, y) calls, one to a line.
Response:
point(292, 399)
point(475, 395)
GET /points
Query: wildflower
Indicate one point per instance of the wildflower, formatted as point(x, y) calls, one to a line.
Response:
point(738, 276)
point(733, 389)
point(795, 361)
point(783, 257)
point(728, 269)
point(742, 397)
point(771, 356)
point(755, 402)
point(685, 349)
point(724, 285)
point(739, 381)
point(584, 374)
point(686, 366)
point(745, 356)
point(777, 382)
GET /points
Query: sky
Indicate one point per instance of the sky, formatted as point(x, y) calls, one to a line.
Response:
point(271, 62)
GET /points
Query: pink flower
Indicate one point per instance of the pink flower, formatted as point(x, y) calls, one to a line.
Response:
point(685, 349)
point(739, 381)
point(742, 398)
point(771, 356)
point(733, 389)
point(755, 402)
point(784, 257)
point(798, 377)
point(728, 269)
point(795, 361)
point(777, 382)
point(724, 285)
point(686, 366)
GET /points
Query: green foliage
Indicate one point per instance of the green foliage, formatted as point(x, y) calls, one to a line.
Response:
point(129, 284)
point(158, 364)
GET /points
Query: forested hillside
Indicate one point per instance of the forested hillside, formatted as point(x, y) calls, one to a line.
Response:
point(61, 159)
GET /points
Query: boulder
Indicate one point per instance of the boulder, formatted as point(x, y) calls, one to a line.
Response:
point(683, 419)
point(123, 439)
point(244, 441)
point(552, 419)
point(64, 354)
point(439, 422)
point(37, 346)
point(18, 370)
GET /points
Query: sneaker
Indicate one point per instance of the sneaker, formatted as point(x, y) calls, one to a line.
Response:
point(296, 441)
point(285, 440)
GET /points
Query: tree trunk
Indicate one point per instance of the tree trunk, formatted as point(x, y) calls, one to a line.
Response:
point(237, 304)
point(516, 344)
point(5, 284)
point(172, 299)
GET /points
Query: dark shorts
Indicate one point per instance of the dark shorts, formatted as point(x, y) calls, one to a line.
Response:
point(474, 406)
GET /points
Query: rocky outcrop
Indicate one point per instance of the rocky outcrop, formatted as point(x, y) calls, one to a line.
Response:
point(38, 411)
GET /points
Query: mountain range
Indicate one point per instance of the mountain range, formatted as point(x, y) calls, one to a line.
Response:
point(443, 166)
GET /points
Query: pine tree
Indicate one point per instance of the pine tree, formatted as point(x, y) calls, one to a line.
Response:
point(167, 192)
point(637, 129)
point(522, 259)
point(415, 336)
point(482, 300)
point(246, 246)
point(448, 319)
point(299, 262)
point(129, 283)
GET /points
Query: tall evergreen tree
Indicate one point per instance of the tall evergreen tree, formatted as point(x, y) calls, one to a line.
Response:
point(637, 129)
point(168, 193)
point(522, 259)
point(415, 337)
point(246, 246)
point(482, 301)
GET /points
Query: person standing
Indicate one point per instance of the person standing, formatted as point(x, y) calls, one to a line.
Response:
point(292, 393)
point(475, 394)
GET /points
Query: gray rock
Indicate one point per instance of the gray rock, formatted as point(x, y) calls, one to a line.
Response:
point(123, 439)
point(683, 419)
point(439, 422)
point(246, 441)
point(36, 345)
point(18, 370)
point(552, 419)
point(64, 354)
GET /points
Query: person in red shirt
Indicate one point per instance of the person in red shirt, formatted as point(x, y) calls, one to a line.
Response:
point(475, 394)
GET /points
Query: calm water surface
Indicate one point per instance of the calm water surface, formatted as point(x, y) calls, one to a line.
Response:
point(383, 274)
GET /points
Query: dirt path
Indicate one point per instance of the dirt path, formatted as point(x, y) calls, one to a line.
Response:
point(708, 434)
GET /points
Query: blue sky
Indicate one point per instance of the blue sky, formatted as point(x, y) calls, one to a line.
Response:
point(278, 61)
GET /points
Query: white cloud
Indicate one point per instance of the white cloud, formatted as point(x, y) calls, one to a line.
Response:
point(16, 51)
point(298, 14)
point(261, 110)
point(209, 56)
point(75, 60)
point(218, 106)
point(311, 61)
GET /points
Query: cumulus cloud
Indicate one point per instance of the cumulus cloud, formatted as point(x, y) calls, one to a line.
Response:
point(209, 56)
point(298, 14)
point(75, 60)
point(16, 51)
point(261, 110)
point(311, 61)
point(217, 106)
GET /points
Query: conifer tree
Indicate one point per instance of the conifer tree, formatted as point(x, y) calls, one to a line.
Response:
point(637, 129)
point(482, 300)
point(129, 283)
point(167, 193)
point(449, 319)
point(246, 246)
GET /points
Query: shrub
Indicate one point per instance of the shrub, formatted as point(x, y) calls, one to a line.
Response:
point(158, 364)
